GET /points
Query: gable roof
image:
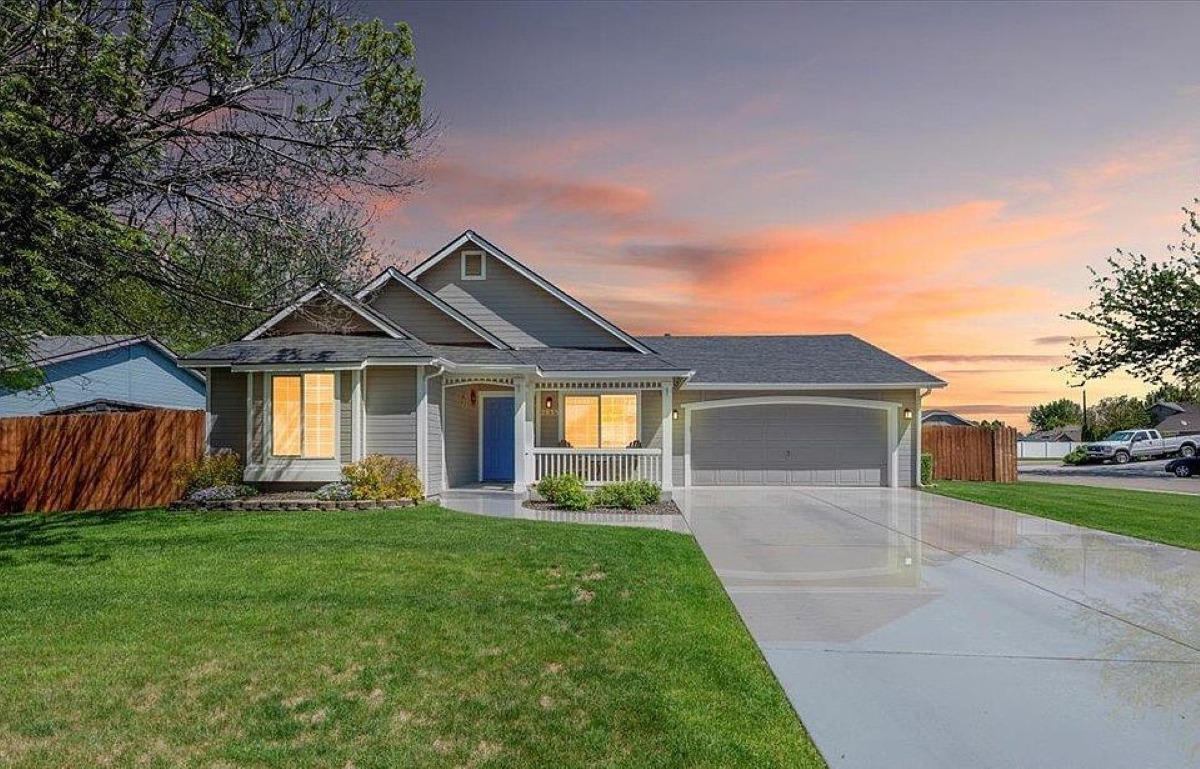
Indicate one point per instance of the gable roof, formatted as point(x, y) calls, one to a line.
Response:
point(307, 349)
point(470, 236)
point(789, 362)
point(371, 316)
point(49, 350)
point(1184, 420)
point(393, 274)
point(942, 416)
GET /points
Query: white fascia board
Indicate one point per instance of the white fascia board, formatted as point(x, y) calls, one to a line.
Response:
point(807, 386)
point(553, 290)
point(552, 374)
point(387, 327)
point(391, 273)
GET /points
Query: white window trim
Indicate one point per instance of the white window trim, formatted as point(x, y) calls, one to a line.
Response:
point(562, 413)
point(269, 455)
point(482, 265)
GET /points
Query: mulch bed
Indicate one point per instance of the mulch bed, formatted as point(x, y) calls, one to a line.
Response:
point(663, 507)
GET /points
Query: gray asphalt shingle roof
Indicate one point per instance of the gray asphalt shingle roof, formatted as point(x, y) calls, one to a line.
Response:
point(312, 348)
point(834, 359)
point(45, 347)
point(795, 360)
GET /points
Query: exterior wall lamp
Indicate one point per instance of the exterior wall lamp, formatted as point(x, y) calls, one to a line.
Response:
point(908, 413)
point(674, 413)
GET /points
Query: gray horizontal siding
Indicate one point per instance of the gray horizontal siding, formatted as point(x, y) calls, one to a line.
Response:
point(227, 411)
point(420, 318)
point(391, 411)
point(516, 310)
point(346, 417)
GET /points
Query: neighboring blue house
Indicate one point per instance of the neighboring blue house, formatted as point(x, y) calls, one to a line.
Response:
point(104, 373)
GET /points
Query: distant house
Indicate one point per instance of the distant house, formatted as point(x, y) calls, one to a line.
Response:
point(1064, 434)
point(88, 374)
point(943, 417)
point(1176, 418)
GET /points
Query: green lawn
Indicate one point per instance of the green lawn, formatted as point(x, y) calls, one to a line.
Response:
point(1170, 518)
point(408, 637)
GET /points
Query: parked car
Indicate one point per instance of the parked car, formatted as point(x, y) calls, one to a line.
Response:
point(1184, 467)
point(1124, 445)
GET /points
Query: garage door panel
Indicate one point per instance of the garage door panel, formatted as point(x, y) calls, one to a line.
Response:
point(782, 444)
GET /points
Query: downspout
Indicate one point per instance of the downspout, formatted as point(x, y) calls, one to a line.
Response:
point(917, 428)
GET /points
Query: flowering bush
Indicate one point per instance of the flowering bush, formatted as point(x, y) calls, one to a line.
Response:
point(335, 492)
point(221, 493)
point(223, 468)
point(377, 476)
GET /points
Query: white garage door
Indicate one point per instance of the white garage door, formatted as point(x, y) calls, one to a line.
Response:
point(789, 445)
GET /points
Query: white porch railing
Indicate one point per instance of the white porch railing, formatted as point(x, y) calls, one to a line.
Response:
point(596, 466)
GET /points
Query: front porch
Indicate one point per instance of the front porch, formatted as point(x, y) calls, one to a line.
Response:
point(519, 429)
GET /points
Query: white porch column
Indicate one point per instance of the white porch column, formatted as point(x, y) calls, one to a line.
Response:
point(916, 439)
point(422, 427)
point(894, 446)
point(356, 416)
point(530, 430)
point(520, 410)
point(668, 454)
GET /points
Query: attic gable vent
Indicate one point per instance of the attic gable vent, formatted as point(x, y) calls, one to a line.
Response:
point(473, 265)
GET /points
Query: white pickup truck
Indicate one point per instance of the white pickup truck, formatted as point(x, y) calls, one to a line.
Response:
point(1124, 445)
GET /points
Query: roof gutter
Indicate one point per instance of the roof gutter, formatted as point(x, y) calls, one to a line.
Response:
point(810, 385)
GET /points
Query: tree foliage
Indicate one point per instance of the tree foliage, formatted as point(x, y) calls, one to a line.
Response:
point(150, 150)
point(1147, 314)
point(1119, 412)
point(1055, 414)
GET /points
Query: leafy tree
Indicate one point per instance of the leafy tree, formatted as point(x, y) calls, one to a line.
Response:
point(1169, 392)
point(1119, 412)
point(993, 424)
point(1055, 414)
point(1147, 314)
point(143, 143)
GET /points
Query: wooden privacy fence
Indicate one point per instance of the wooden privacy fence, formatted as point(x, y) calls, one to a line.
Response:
point(971, 453)
point(95, 461)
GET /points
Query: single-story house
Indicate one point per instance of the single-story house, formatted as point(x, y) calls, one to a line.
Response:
point(1064, 434)
point(1176, 418)
point(88, 374)
point(480, 370)
point(943, 417)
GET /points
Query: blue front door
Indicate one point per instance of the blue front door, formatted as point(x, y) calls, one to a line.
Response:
point(497, 439)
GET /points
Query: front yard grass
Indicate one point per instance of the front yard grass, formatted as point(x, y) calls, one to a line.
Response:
point(1173, 519)
point(374, 639)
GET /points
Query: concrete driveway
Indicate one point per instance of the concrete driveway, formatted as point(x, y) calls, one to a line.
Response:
point(911, 630)
point(1146, 476)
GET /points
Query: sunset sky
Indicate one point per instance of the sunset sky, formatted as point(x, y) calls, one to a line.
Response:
point(933, 178)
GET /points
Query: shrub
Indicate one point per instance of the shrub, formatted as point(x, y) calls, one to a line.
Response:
point(335, 492)
point(221, 493)
point(926, 468)
point(376, 476)
point(574, 498)
point(553, 488)
point(224, 468)
point(628, 496)
point(1077, 456)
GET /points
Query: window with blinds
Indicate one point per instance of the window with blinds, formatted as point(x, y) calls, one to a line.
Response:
point(302, 416)
point(607, 420)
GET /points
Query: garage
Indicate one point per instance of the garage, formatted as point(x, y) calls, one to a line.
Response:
point(789, 442)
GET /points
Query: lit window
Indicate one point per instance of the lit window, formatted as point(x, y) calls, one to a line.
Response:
point(472, 265)
point(302, 415)
point(600, 421)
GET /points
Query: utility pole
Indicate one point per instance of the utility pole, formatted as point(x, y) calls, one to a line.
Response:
point(1083, 432)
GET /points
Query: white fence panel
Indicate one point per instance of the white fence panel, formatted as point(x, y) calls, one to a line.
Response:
point(1045, 449)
